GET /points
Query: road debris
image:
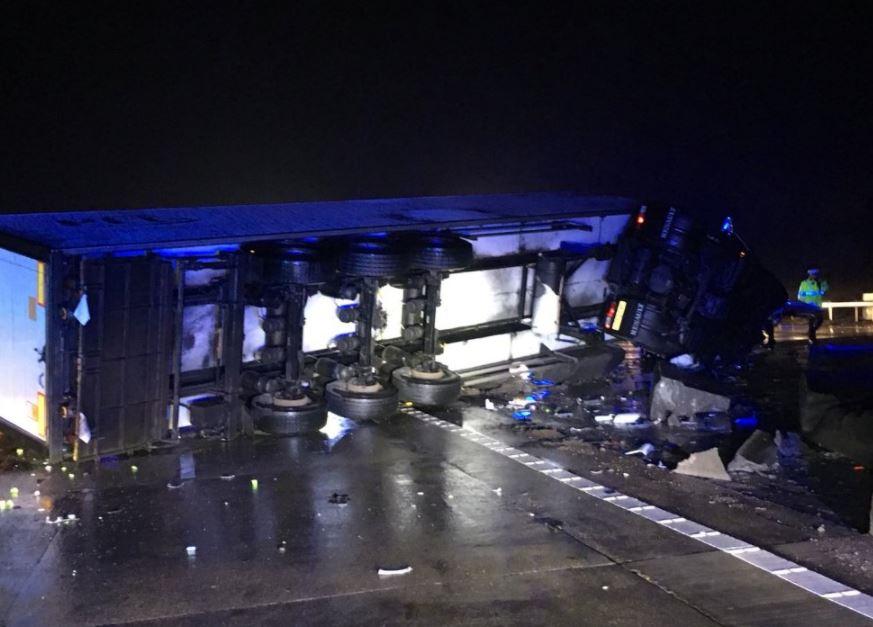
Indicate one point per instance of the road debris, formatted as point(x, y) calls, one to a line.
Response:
point(627, 418)
point(706, 464)
point(338, 499)
point(394, 570)
point(646, 450)
point(672, 397)
point(686, 361)
point(757, 454)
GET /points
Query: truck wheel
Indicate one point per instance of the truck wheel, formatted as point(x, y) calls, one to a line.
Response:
point(275, 416)
point(423, 388)
point(372, 258)
point(440, 252)
point(291, 263)
point(376, 404)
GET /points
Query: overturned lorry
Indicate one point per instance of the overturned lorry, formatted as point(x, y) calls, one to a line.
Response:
point(120, 329)
point(677, 288)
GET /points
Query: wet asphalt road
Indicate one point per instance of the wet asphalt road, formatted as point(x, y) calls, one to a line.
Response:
point(489, 541)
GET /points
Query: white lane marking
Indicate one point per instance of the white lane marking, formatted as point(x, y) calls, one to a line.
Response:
point(782, 568)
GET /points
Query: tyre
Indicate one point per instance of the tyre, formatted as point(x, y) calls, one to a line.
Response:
point(372, 258)
point(376, 405)
point(440, 252)
point(284, 264)
point(273, 416)
point(425, 389)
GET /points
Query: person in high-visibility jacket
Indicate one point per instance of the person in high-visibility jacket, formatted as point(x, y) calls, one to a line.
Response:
point(811, 291)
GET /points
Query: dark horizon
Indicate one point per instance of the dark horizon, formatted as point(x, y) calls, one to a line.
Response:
point(760, 112)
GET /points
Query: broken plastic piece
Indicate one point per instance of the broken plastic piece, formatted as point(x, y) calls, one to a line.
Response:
point(84, 429)
point(390, 572)
point(645, 450)
point(191, 551)
point(604, 418)
point(706, 464)
point(757, 454)
point(626, 418)
point(81, 312)
point(518, 368)
point(684, 361)
point(671, 397)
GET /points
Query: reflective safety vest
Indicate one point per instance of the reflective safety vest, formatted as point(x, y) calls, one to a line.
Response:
point(812, 291)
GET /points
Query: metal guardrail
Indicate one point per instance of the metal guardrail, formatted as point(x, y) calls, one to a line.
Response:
point(857, 305)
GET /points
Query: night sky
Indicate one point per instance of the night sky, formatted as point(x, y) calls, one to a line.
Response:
point(753, 109)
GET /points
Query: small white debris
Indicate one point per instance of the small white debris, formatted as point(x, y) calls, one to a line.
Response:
point(489, 404)
point(627, 418)
point(518, 368)
point(684, 361)
point(645, 450)
point(191, 551)
point(390, 572)
point(420, 493)
point(497, 491)
point(71, 517)
point(604, 587)
point(604, 418)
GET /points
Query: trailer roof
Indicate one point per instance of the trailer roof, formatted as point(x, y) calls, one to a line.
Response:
point(133, 229)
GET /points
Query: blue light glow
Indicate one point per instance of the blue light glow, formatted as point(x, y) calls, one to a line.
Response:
point(197, 251)
point(845, 348)
point(728, 225)
point(124, 254)
point(542, 382)
point(522, 414)
point(746, 421)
